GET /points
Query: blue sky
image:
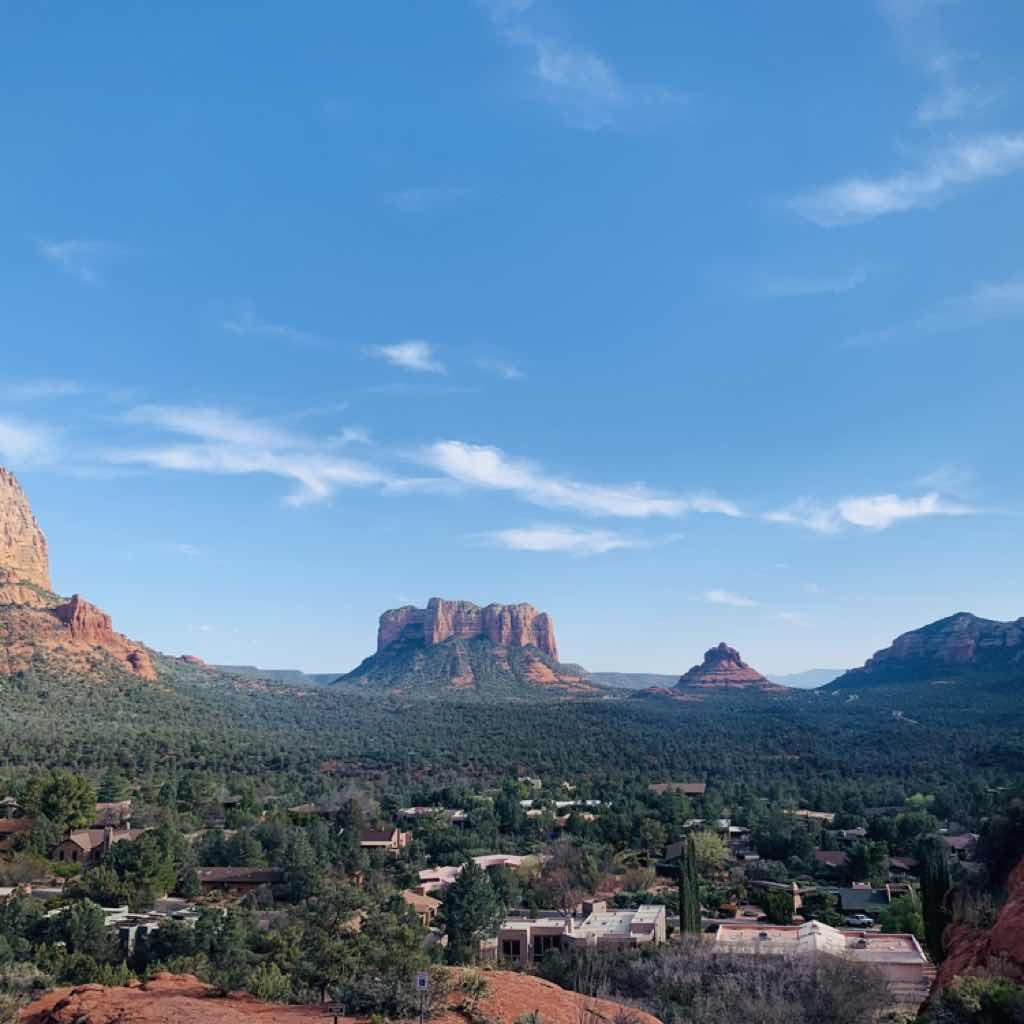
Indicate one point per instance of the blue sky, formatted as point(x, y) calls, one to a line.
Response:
point(698, 325)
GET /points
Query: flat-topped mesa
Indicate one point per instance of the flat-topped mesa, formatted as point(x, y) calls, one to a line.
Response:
point(723, 667)
point(23, 553)
point(508, 625)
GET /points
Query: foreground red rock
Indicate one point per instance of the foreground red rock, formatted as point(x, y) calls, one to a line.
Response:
point(171, 999)
point(999, 949)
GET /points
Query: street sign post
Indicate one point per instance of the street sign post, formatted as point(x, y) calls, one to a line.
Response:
point(422, 986)
point(335, 1010)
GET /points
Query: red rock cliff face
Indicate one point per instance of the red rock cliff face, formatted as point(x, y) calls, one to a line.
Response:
point(1000, 949)
point(516, 625)
point(91, 627)
point(23, 552)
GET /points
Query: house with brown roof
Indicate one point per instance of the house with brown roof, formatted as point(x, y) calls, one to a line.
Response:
point(238, 880)
point(89, 845)
point(10, 828)
point(117, 814)
point(832, 860)
point(424, 906)
point(392, 841)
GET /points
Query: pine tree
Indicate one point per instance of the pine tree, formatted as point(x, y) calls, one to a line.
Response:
point(689, 898)
point(935, 885)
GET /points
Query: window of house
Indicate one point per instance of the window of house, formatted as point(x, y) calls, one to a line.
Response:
point(544, 943)
point(510, 949)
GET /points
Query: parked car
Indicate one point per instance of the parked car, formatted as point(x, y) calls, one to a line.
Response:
point(860, 921)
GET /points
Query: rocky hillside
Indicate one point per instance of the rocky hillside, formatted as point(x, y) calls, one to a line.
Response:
point(960, 648)
point(171, 999)
point(37, 627)
point(996, 950)
point(459, 649)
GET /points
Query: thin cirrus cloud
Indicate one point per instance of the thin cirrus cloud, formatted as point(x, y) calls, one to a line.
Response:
point(567, 539)
point(419, 356)
point(874, 512)
point(727, 597)
point(587, 90)
point(988, 302)
point(490, 468)
point(800, 286)
point(81, 258)
point(943, 173)
point(246, 324)
point(424, 198)
point(507, 371)
point(918, 26)
point(42, 389)
point(218, 441)
point(26, 444)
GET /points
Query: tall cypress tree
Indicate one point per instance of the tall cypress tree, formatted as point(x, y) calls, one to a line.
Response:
point(689, 898)
point(935, 885)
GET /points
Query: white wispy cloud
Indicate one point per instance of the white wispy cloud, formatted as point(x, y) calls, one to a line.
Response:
point(731, 599)
point(490, 468)
point(508, 371)
point(570, 540)
point(223, 442)
point(409, 355)
point(942, 173)
point(78, 257)
point(26, 444)
point(871, 512)
point(918, 26)
point(987, 302)
point(581, 84)
point(245, 323)
point(799, 286)
point(44, 388)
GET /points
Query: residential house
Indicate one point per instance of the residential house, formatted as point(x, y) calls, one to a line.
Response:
point(686, 788)
point(526, 940)
point(238, 880)
point(453, 816)
point(962, 845)
point(117, 814)
point(89, 845)
point(392, 841)
point(899, 958)
point(849, 836)
point(425, 907)
point(821, 817)
point(10, 829)
point(439, 878)
point(902, 868)
point(9, 808)
point(832, 861)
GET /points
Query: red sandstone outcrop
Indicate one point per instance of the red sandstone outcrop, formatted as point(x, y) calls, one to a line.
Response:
point(91, 627)
point(516, 625)
point(997, 950)
point(959, 647)
point(171, 999)
point(192, 659)
point(23, 553)
point(723, 668)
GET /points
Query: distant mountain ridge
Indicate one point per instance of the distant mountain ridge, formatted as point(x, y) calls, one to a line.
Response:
point(958, 648)
point(809, 679)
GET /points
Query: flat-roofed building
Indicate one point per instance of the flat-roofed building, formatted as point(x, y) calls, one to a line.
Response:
point(526, 940)
point(899, 958)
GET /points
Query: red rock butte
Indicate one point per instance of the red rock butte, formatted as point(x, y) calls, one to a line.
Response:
point(723, 667)
point(509, 625)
